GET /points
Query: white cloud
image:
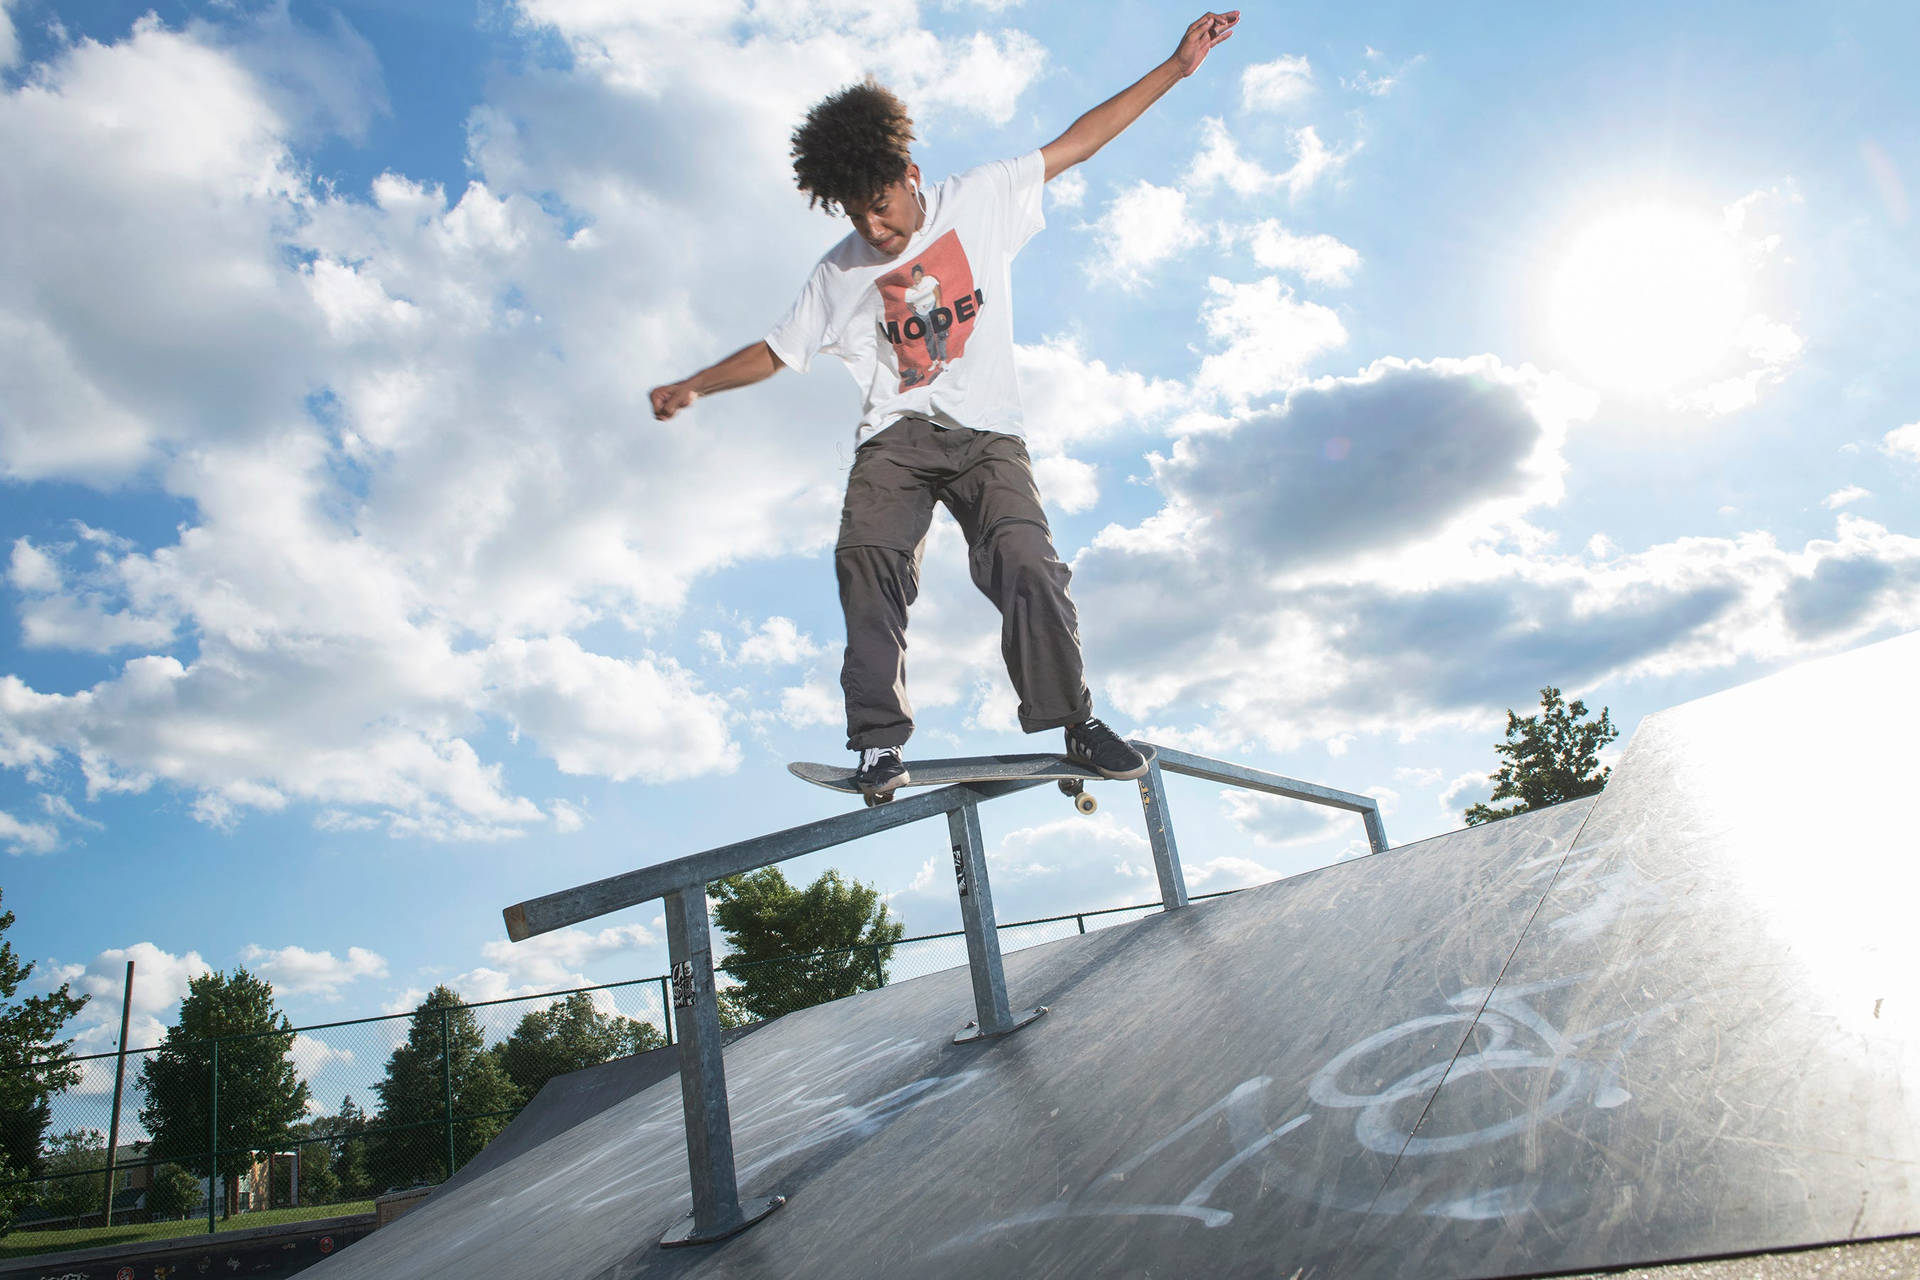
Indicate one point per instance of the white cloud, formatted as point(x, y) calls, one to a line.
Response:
point(610, 717)
point(1285, 82)
point(1903, 442)
point(1220, 161)
point(1270, 337)
point(1142, 227)
point(1772, 348)
point(1275, 822)
point(1844, 497)
point(27, 837)
point(1319, 258)
point(9, 41)
point(551, 962)
point(815, 703)
point(567, 818)
point(82, 617)
point(1359, 562)
point(312, 1055)
point(1069, 190)
point(1068, 485)
point(778, 642)
point(407, 425)
point(1070, 399)
point(294, 970)
point(160, 981)
point(1379, 84)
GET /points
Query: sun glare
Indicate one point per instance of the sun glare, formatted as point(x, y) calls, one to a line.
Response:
point(1649, 298)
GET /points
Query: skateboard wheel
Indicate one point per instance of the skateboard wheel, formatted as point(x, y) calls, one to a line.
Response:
point(1085, 803)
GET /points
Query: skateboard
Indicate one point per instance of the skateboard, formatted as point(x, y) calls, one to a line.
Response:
point(1070, 777)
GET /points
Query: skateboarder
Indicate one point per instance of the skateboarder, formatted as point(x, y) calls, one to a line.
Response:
point(941, 418)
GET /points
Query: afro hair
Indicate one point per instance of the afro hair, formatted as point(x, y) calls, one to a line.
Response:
point(852, 143)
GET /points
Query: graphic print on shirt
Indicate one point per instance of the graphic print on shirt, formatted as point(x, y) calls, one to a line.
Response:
point(929, 304)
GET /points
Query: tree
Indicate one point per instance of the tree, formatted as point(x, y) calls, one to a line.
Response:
point(261, 1095)
point(350, 1150)
point(767, 920)
point(173, 1192)
point(76, 1166)
point(34, 1063)
point(444, 1049)
point(567, 1037)
point(1551, 758)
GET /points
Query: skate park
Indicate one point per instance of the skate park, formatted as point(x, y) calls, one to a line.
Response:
point(1677, 1020)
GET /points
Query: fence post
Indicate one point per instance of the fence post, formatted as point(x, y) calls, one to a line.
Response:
point(666, 1009)
point(879, 969)
point(1080, 920)
point(213, 1139)
point(446, 1078)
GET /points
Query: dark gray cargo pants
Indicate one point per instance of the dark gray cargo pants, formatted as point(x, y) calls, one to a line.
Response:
point(983, 478)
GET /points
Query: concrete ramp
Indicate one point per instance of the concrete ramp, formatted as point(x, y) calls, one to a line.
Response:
point(1681, 1019)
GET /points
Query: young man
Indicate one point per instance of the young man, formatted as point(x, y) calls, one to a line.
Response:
point(917, 303)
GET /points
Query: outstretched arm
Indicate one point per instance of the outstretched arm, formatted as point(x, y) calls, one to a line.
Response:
point(744, 367)
point(1103, 124)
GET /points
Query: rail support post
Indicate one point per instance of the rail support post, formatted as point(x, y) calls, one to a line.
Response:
point(993, 1016)
point(1166, 854)
point(717, 1211)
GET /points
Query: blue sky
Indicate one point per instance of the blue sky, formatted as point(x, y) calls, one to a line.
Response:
point(1401, 362)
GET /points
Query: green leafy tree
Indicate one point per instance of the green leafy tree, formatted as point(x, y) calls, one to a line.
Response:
point(569, 1036)
point(1550, 758)
point(173, 1193)
point(414, 1094)
point(261, 1095)
point(35, 1063)
point(15, 1194)
point(76, 1171)
point(348, 1130)
point(775, 932)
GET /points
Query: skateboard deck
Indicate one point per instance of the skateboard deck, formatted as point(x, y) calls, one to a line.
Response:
point(1071, 777)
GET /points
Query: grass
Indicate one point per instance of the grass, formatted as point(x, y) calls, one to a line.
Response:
point(24, 1244)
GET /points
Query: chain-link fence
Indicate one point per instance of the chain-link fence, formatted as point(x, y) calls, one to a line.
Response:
point(243, 1130)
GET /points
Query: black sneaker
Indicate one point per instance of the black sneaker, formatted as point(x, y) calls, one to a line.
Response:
point(881, 770)
point(1099, 748)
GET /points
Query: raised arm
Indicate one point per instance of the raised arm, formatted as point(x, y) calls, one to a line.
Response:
point(1103, 124)
point(748, 365)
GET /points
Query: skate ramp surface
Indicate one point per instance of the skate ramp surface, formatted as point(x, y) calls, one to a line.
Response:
point(1677, 1020)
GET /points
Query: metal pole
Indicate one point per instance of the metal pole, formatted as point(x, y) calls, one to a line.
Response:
point(666, 1009)
point(717, 1211)
point(879, 968)
point(1376, 830)
point(213, 1154)
point(119, 1083)
point(993, 1016)
point(446, 1079)
point(1166, 854)
point(1081, 921)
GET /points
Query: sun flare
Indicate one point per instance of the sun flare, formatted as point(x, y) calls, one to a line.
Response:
point(1649, 298)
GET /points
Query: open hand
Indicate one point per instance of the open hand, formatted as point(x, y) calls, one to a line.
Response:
point(1207, 31)
point(670, 399)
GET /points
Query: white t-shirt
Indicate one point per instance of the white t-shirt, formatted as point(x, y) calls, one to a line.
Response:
point(856, 306)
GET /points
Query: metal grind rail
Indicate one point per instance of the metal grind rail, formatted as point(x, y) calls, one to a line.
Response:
point(718, 1211)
